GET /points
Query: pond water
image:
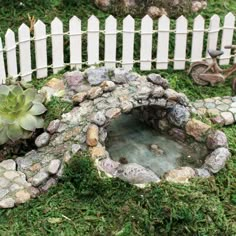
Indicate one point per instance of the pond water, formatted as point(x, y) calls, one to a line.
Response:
point(132, 139)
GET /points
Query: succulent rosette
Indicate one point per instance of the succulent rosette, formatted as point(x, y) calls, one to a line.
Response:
point(20, 112)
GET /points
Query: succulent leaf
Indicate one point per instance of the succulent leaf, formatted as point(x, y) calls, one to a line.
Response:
point(20, 112)
point(37, 109)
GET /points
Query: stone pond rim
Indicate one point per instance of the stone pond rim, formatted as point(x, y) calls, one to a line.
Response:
point(101, 95)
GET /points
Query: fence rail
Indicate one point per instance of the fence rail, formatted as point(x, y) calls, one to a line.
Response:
point(16, 56)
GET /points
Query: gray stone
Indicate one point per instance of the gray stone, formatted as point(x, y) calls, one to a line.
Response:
point(96, 76)
point(158, 80)
point(73, 79)
point(11, 174)
point(39, 178)
point(143, 92)
point(53, 126)
point(216, 139)
point(99, 118)
point(132, 76)
point(51, 182)
point(161, 102)
point(201, 172)
point(217, 159)
point(3, 192)
point(7, 203)
point(42, 140)
point(15, 187)
point(210, 105)
point(107, 165)
point(158, 92)
point(223, 107)
point(119, 76)
point(126, 106)
point(8, 164)
point(4, 182)
point(228, 118)
point(179, 115)
point(54, 166)
point(136, 174)
point(178, 134)
point(75, 148)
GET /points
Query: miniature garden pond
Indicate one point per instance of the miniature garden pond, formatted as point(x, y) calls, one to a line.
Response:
point(132, 139)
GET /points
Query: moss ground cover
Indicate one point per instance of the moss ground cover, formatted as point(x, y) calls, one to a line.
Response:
point(83, 204)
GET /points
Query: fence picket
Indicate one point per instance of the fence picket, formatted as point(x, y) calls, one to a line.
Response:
point(25, 56)
point(213, 35)
point(197, 38)
point(128, 43)
point(75, 43)
point(93, 40)
point(163, 43)
point(146, 43)
point(180, 43)
point(227, 38)
point(110, 42)
point(10, 45)
point(2, 65)
point(57, 45)
point(40, 49)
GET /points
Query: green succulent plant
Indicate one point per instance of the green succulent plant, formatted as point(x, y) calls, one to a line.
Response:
point(20, 112)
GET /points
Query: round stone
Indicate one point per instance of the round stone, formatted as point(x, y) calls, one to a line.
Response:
point(54, 166)
point(233, 110)
point(3, 192)
point(7, 203)
point(233, 104)
point(53, 126)
point(42, 140)
point(108, 86)
point(99, 118)
point(201, 111)
point(228, 118)
point(201, 172)
point(227, 101)
point(4, 182)
point(11, 174)
point(209, 100)
point(180, 175)
point(8, 164)
point(179, 115)
point(213, 112)
point(39, 178)
point(217, 139)
point(22, 196)
point(198, 104)
point(217, 159)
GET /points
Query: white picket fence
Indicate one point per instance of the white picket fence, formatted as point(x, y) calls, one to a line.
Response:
point(22, 66)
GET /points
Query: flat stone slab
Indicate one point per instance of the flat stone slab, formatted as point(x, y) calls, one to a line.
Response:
point(222, 110)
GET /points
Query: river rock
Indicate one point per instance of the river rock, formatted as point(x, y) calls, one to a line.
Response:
point(39, 178)
point(96, 76)
point(217, 159)
point(8, 164)
point(53, 126)
point(54, 166)
point(113, 112)
point(79, 97)
point(180, 175)
point(22, 196)
point(73, 79)
point(216, 139)
point(7, 203)
point(119, 76)
point(99, 118)
point(107, 165)
point(158, 92)
point(202, 172)
point(42, 140)
point(178, 115)
point(98, 152)
point(108, 86)
point(136, 174)
point(92, 135)
point(158, 80)
point(95, 92)
point(197, 129)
